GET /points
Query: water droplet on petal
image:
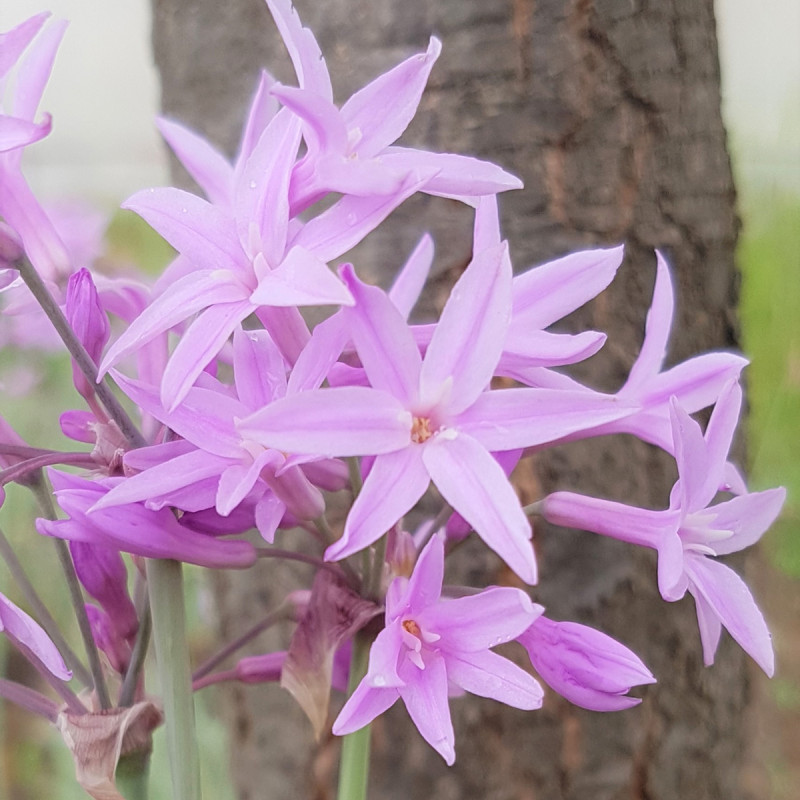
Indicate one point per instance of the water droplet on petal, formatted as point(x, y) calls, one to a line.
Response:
point(253, 184)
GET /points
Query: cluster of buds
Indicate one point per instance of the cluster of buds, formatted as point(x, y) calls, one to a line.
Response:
point(250, 420)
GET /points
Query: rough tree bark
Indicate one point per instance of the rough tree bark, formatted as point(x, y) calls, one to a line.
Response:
point(610, 113)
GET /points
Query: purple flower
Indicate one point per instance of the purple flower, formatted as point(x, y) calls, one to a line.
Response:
point(587, 667)
point(431, 643)
point(432, 418)
point(135, 529)
point(27, 635)
point(690, 532)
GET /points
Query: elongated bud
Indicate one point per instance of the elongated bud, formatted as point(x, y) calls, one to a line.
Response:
point(89, 321)
point(103, 574)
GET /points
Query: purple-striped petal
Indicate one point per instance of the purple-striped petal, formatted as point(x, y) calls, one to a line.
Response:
point(474, 484)
point(487, 674)
point(394, 484)
point(545, 294)
point(383, 341)
point(729, 598)
point(468, 339)
point(507, 419)
point(747, 517)
point(199, 345)
point(478, 622)
point(382, 110)
point(343, 421)
point(425, 698)
point(209, 168)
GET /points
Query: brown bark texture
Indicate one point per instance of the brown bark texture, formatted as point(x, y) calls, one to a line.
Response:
point(609, 110)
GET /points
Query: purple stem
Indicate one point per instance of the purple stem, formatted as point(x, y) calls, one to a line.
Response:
point(284, 611)
point(29, 699)
point(15, 471)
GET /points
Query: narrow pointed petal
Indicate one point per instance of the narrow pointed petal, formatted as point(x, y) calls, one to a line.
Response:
point(23, 212)
point(22, 629)
point(344, 421)
point(475, 485)
point(301, 279)
point(730, 599)
point(14, 42)
point(394, 485)
point(237, 480)
point(468, 339)
point(507, 419)
point(307, 58)
point(671, 578)
point(185, 297)
point(526, 350)
point(262, 190)
point(426, 701)
point(205, 417)
point(425, 584)
point(209, 168)
point(691, 453)
point(259, 370)
point(269, 512)
point(545, 294)
point(199, 345)
point(202, 232)
point(481, 621)
point(16, 133)
point(747, 517)
point(364, 705)
point(384, 343)
point(383, 658)
point(34, 68)
point(263, 108)
point(287, 328)
point(627, 523)
point(719, 436)
point(345, 224)
point(325, 131)
point(382, 110)
point(327, 342)
point(657, 328)
point(411, 279)
point(487, 674)
point(457, 177)
point(710, 628)
point(161, 480)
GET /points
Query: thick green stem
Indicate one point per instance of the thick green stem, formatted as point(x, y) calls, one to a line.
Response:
point(165, 583)
point(354, 763)
point(132, 775)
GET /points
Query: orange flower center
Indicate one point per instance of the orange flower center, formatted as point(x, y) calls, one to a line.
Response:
point(421, 430)
point(412, 627)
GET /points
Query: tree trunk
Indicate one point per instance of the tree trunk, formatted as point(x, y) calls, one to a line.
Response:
point(610, 113)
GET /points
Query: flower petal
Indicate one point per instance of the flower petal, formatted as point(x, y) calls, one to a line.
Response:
point(475, 485)
point(394, 484)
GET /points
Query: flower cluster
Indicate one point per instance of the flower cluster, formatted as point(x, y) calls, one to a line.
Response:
point(251, 420)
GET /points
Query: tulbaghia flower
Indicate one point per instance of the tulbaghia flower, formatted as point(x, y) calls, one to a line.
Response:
point(690, 532)
point(431, 419)
point(430, 643)
point(27, 635)
point(135, 529)
point(587, 667)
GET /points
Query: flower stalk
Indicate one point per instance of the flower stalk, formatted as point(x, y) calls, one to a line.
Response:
point(165, 583)
point(354, 761)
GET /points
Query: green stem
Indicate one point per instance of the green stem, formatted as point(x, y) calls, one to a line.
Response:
point(354, 762)
point(165, 583)
point(45, 502)
point(132, 775)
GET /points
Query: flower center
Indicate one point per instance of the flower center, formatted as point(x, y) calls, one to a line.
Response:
point(421, 430)
point(411, 626)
